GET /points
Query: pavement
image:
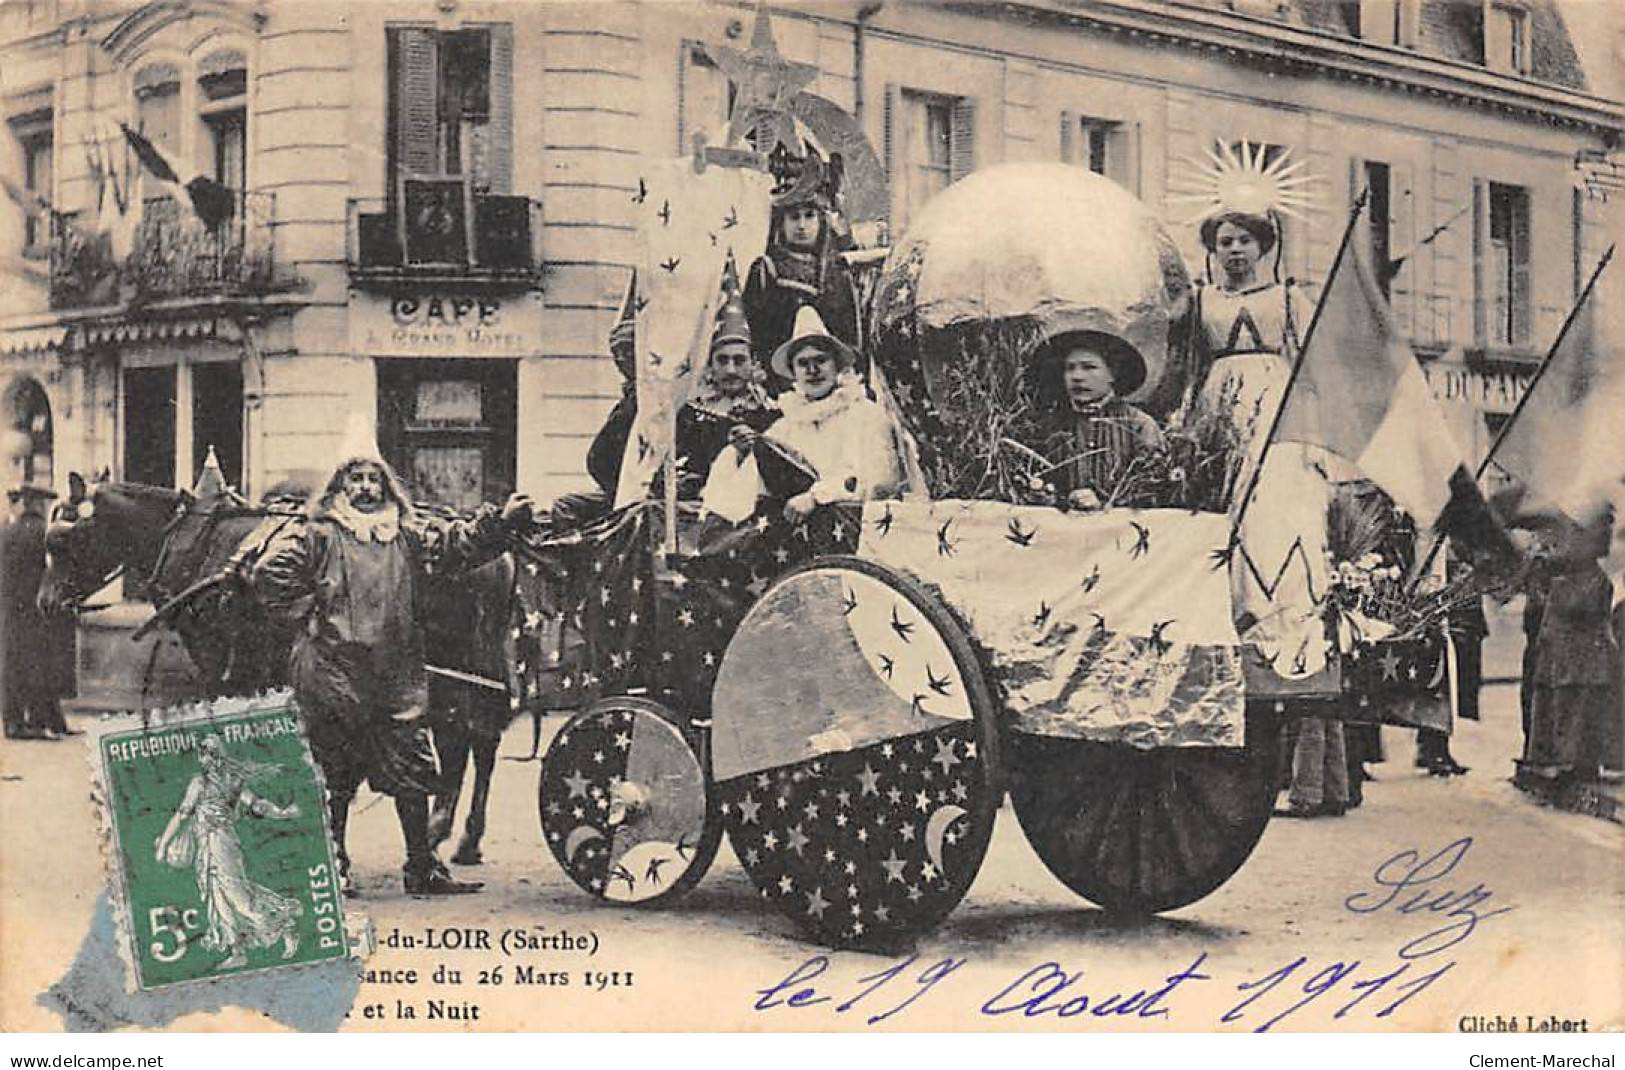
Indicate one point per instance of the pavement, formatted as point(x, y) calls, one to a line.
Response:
point(705, 961)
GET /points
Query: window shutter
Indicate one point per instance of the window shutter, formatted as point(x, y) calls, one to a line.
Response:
point(501, 97)
point(1481, 244)
point(1356, 178)
point(1067, 122)
point(1522, 251)
point(962, 139)
point(417, 125)
point(1402, 240)
point(888, 147)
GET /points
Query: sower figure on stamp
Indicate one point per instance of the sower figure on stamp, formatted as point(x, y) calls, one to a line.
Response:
point(202, 836)
point(349, 580)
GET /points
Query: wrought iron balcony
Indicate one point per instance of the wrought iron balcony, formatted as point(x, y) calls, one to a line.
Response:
point(438, 230)
point(172, 253)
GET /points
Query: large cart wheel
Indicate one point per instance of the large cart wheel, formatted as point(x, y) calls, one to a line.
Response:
point(626, 805)
point(855, 753)
point(1143, 831)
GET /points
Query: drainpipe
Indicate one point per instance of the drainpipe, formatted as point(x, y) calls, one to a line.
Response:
point(865, 13)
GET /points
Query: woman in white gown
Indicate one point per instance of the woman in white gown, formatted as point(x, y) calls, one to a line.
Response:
point(1279, 570)
point(202, 834)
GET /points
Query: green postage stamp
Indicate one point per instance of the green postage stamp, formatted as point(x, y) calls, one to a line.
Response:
point(220, 857)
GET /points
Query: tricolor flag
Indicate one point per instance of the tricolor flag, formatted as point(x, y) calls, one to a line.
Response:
point(1560, 448)
point(1361, 394)
point(212, 201)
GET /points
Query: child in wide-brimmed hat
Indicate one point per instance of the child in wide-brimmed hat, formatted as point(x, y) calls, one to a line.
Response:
point(1095, 435)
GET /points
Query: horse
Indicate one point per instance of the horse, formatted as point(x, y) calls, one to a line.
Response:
point(183, 549)
point(163, 541)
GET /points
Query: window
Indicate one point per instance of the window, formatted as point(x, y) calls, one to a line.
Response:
point(158, 105)
point(217, 417)
point(1501, 264)
point(1105, 146)
point(149, 425)
point(30, 122)
point(223, 110)
point(449, 427)
point(450, 111)
point(1506, 38)
point(930, 143)
point(1379, 209)
point(37, 184)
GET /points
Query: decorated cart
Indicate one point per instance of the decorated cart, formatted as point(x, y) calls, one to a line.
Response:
point(850, 697)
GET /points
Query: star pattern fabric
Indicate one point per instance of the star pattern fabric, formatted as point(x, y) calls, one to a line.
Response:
point(1400, 682)
point(632, 626)
point(868, 846)
point(598, 818)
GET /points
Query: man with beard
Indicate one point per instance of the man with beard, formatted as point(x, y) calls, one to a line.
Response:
point(350, 581)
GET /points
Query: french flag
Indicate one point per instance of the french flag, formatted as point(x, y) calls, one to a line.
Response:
point(1361, 394)
point(212, 201)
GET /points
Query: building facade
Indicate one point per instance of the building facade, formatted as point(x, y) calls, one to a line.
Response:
point(431, 215)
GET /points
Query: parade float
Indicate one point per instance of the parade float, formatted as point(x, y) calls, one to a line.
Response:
point(849, 696)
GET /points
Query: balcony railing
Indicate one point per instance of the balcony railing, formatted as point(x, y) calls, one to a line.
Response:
point(437, 230)
point(172, 254)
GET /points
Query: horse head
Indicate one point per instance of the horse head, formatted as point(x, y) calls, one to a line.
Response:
point(100, 531)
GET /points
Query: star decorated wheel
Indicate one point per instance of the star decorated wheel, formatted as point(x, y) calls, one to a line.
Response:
point(1143, 831)
point(625, 804)
point(855, 753)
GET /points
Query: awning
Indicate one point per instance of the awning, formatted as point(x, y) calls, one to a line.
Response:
point(18, 340)
point(102, 333)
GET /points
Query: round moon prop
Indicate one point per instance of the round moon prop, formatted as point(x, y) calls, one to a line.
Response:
point(1030, 251)
point(625, 804)
point(855, 753)
point(1143, 831)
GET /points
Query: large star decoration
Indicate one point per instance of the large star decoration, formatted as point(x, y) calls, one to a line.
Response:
point(765, 82)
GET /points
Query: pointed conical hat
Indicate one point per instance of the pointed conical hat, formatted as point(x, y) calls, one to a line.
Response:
point(810, 328)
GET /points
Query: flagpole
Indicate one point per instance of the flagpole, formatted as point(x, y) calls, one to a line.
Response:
point(1562, 334)
point(1297, 365)
point(1436, 538)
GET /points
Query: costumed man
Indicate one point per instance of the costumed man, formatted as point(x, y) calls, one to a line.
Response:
point(31, 701)
point(350, 581)
point(802, 265)
point(609, 445)
point(728, 396)
point(830, 427)
point(1095, 435)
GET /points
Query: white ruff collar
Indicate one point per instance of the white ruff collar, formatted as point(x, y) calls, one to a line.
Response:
point(798, 409)
point(381, 527)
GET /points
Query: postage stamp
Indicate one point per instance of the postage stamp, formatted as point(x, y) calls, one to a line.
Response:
point(219, 853)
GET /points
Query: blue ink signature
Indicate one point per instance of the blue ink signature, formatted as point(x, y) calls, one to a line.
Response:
point(1049, 980)
point(1407, 883)
point(1408, 875)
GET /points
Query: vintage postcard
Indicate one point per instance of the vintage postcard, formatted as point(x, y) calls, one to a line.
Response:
point(824, 517)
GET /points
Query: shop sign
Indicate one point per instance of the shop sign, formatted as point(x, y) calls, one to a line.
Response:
point(432, 324)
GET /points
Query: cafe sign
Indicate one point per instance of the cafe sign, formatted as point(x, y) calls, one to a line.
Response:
point(432, 324)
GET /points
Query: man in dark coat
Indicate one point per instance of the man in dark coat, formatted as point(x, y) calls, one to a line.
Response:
point(350, 581)
point(26, 686)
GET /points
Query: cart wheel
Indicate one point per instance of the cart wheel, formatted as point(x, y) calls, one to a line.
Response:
point(625, 805)
point(1143, 831)
point(855, 753)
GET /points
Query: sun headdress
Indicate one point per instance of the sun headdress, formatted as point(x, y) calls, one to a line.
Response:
point(1245, 178)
